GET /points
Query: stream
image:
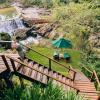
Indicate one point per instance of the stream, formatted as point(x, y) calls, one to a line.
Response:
point(11, 24)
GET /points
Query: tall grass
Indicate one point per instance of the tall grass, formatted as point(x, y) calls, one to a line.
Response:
point(37, 92)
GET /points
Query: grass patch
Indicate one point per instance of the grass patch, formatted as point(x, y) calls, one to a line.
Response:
point(9, 12)
point(1, 49)
point(75, 58)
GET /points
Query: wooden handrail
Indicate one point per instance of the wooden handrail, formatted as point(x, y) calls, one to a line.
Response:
point(25, 65)
point(87, 69)
point(97, 79)
point(94, 74)
point(40, 54)
point(54, 71)
point(48, 58)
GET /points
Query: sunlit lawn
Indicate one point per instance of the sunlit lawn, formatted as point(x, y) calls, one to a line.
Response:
point(75, 58)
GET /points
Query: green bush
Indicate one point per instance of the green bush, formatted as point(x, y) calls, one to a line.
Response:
point(77, 22)
point(37, 92)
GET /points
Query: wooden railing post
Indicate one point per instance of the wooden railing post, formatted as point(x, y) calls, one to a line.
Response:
point(50, 64)
point(92, 76)
point(69, 68)
point(74, 76)
point(49, 69)
point(96, 77)
point(77, 92)
point(5, 62)
point(13, 65)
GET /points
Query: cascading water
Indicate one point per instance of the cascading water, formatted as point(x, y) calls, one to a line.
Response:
point(9, 26)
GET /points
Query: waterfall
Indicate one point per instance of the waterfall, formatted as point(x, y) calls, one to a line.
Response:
point(9, 26)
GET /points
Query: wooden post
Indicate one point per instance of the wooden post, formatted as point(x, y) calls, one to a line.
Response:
point(77, 92)
point(96, 77)
point(13, 65)
point(74, 76)
point(92, 76)
point(5, 62)
point(69, 68)
point(48, 79)
point(99, 97)
point(50, 64)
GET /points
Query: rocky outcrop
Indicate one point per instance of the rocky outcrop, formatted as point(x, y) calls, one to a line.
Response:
point(47, 29)
point(32, 21)
point(21, 33)
point(34, 15)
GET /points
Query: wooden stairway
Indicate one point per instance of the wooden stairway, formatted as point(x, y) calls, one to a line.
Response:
point(2, 64)
point(86, 87)
point(34, 71)
point(45, 77)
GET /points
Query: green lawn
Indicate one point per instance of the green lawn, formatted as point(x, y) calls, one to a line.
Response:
point(75, 58)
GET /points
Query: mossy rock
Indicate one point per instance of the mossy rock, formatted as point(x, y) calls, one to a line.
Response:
point(5, 37)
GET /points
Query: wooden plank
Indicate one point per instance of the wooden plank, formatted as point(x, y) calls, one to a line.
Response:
point(55, 75)
point(44, 78)
point(39, 75)
point(60, 78)
point(30, 64)
point(34, 73)
point(68, 82)
point(64, 80)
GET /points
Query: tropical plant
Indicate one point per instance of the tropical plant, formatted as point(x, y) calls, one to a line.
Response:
point(38, 92)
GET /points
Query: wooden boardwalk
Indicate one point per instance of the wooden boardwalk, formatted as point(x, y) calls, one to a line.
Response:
point(33, 71)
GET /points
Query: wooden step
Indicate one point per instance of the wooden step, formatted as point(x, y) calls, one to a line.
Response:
point(45, 78)
point(50, 73)
point(91, 96)
point(55, 75)
point(68, 82)
point(64, 80)
point(29, 70)
point(39, 75)
point(9, 62)
point(60, 78)
point(34, 73)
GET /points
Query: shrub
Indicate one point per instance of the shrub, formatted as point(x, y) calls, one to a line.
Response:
point(37, 92)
